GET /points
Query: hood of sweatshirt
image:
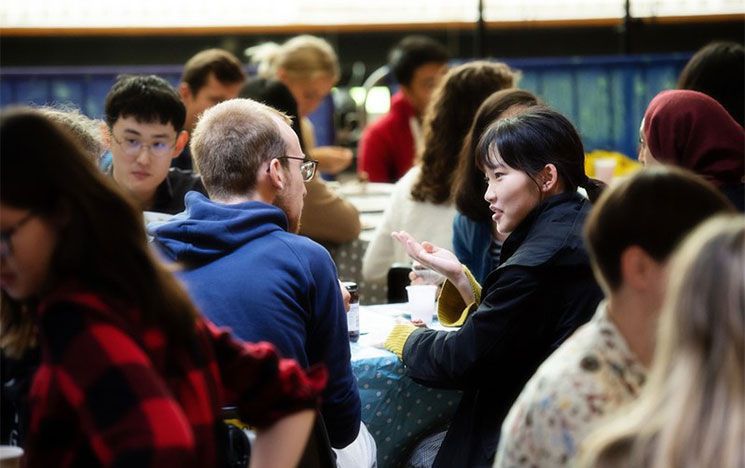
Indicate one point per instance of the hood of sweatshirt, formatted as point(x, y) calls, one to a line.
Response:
point(207, 230)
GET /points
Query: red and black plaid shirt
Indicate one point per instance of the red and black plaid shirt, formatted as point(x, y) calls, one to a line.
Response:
point(110, 391)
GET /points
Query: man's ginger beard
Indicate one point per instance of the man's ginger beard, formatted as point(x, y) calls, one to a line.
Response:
point(293, 225)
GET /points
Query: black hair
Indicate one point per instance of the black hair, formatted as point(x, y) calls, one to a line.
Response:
point(718, 70)
point(533, 139)
point(654, 209)
point(470, 186)
point(413, 52)
point(146, 98)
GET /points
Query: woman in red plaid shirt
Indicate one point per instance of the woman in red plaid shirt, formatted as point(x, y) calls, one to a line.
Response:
point(130, 373)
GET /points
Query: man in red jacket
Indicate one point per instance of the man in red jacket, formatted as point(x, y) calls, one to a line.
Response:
point(388, 146)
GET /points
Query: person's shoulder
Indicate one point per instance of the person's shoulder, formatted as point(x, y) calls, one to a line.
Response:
point(394, 121)
point(303, 246)
point(182, 175)
point(72, 298)
point(184, 180)
point(380, 129)
point(72, 313)
point(409, 179)
point(468, 226)
point(574, 370)
point(553, 236)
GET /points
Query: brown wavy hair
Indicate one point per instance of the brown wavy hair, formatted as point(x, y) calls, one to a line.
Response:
point(447, 120)
point(470, 185)
point(101, 235)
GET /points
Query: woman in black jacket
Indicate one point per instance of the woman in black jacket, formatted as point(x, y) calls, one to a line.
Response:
point(542, 290)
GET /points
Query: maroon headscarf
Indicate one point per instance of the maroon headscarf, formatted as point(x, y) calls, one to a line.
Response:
point(691, 130)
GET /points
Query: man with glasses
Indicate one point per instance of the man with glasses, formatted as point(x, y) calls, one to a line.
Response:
point(146, 118)
point(249, 271)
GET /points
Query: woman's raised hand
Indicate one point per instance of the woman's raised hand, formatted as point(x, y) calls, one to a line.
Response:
point(436, 258)
point(431, 256)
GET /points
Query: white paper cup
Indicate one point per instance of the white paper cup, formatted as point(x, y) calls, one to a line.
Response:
point(427, 276)
point(604, 168)
point(422, 302)
point(10, 456)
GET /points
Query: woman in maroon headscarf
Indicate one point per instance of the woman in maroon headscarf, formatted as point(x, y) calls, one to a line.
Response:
point(691, 130)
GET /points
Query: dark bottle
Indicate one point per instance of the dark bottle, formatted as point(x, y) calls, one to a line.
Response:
point(353, 316)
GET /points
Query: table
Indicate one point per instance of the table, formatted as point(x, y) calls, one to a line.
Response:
point(398, 412)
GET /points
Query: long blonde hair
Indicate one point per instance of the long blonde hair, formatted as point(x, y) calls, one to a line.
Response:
point(692, 410)
point(304, 57)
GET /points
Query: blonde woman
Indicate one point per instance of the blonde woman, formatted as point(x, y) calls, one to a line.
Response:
point(692, 411)
point(295, 77)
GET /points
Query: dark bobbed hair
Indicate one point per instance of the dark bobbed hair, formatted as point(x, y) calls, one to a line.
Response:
point(101, 240)
point(531, 140)
point(146, 98)
point(718, 70)
point(225, 66)
point(413, 52)
point(470, 186)
point(446, 122)
point(653, 209)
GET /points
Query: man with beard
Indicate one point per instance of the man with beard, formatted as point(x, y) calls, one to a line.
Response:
point(245, 266)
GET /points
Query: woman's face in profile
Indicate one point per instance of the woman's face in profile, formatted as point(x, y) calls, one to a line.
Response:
point(511, 194)
point(645, 156)
point(26, 248)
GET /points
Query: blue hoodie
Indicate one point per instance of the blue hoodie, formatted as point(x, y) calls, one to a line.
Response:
point(246, 272)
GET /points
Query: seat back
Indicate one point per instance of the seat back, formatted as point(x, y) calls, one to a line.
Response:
point(398, 279)
point(237, 446)
point(318, 452)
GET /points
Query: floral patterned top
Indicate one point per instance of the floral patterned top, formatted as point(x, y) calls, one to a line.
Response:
point(589, 376)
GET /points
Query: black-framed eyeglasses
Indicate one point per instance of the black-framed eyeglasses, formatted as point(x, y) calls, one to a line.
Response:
point(132, 146)
point(307, 168)
point(7, 234)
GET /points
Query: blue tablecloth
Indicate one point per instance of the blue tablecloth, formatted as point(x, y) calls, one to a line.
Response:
point(398, 412)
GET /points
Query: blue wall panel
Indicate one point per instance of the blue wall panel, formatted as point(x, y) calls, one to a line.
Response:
point(605, 97)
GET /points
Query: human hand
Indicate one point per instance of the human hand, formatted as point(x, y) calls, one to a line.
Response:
point(420, 274)
point(332, 159)
point(346, 297)
point(418, 323)
point(430, 256)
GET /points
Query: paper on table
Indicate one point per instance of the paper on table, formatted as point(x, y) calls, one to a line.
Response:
point(369, 204)
point(365, 188)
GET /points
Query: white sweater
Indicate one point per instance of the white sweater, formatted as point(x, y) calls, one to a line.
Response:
point(423, 220)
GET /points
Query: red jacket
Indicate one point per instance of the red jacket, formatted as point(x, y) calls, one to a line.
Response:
point(113, 391)
point(386, 150)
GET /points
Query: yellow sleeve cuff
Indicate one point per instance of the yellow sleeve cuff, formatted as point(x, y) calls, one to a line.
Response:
point(397, 338)
point(451, 309)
